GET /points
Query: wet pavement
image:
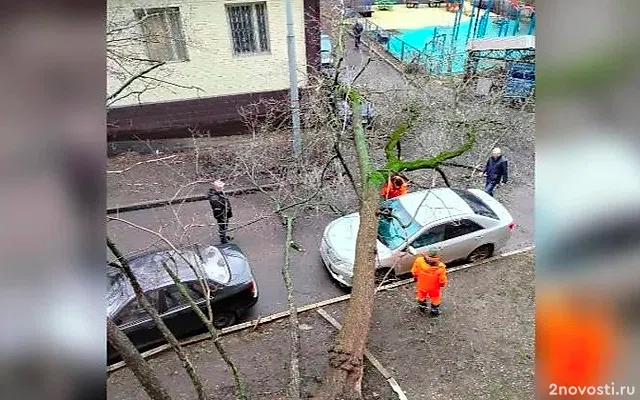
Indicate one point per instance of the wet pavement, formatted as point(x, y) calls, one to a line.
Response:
point(263, 242)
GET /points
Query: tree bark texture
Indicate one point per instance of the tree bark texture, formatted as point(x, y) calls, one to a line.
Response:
point(131, 356)
point(294, 325)
point(343, 380)
point(155, 316)
point(344, 376)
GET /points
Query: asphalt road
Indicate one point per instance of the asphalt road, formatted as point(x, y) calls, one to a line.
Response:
point(263, 242)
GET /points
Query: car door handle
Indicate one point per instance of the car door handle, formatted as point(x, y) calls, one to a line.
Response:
point(479, 237)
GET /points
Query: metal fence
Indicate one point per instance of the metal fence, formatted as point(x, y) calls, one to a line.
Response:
point(438, 55)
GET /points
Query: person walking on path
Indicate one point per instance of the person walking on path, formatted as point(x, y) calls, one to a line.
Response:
point(495, 171)
point(221, 207)
point(431, 276)
point(357, 33)
point(395, 186)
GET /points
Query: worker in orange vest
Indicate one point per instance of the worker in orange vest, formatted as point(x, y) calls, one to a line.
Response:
point(395, 186)
point(431, 276)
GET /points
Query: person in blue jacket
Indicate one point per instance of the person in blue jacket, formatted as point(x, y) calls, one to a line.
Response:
point(495, 171)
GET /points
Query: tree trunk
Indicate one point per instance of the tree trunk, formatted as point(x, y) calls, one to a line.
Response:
point(147, 378)
point(294, 326)
point(343, 379)
point(155, 316)
point(344, 376)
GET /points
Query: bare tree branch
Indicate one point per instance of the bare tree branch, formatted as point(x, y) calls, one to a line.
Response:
point(120, 171)
point(133, 79)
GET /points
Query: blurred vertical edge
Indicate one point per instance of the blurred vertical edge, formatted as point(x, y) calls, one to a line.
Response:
point(587, 196)
point(52, 200)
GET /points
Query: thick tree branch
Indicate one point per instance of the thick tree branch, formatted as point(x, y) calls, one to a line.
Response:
point(444, 177)
point(136, 363)
point(392, 149)
point(133, 79)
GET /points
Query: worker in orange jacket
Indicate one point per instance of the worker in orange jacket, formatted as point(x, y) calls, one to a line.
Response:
point(431, 276)
point(395, 186)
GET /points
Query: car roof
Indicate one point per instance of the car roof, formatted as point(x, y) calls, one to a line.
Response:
point(431, 205)
point(151, 274)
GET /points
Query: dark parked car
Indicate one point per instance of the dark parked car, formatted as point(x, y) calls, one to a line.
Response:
point(225, 268)
point(521, 80)
point(345, 114)
point(326, 52)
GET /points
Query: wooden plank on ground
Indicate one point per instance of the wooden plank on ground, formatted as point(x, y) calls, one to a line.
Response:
point(367, 353)
point(374, 361)
point(396, 388)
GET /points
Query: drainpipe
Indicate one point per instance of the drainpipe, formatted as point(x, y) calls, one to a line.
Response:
point(293, 82)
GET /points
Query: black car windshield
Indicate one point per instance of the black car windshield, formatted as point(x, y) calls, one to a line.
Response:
point(396, 225)
point(478, 206)
point(212, 263)
point(215, 264)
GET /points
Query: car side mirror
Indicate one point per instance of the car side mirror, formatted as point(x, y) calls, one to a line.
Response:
point(412, 251)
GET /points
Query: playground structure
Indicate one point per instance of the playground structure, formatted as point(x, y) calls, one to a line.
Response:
point(511, 62)
point(443, 47)
point(509, 22)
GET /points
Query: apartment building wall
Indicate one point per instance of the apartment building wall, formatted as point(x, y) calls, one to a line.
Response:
point(212, 68)
point(209, 87)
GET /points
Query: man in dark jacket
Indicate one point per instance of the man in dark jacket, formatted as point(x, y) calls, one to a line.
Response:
point(221, 208)
point(357, 33)
point(496, 170)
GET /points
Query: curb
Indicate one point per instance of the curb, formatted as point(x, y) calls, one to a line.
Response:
point(185, 199)
point(273, 317)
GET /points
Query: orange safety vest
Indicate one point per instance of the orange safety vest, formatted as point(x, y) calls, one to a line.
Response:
point(389, 191)
point(428, 278)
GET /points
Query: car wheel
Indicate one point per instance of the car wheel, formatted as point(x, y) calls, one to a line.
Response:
point(481, 253)
point(223, 319)
point(386, 274)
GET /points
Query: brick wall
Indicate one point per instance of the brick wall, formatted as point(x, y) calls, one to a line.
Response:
point(212, 66)
point(215, 116)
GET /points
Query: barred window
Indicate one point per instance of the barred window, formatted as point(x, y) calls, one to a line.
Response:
point(249, 30)
point(163, 34)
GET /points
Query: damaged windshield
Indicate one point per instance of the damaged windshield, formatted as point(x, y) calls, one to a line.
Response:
point(395, 224)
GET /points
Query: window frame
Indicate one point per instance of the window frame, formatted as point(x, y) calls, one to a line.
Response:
point(255, 26)
point(469, 198)
point(441, 225)
point(192, 286)
point(153, 296)
point(458, 223)
point(172, 20)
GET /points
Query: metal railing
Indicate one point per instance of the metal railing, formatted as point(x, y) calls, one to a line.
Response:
point(438, 55)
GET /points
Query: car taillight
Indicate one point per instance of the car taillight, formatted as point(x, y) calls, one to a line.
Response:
point(252, 287)
point(511, 226)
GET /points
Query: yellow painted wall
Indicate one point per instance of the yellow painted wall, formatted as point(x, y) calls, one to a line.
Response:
point(212, 66)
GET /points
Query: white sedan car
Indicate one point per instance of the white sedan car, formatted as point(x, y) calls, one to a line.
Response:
point(459, 224)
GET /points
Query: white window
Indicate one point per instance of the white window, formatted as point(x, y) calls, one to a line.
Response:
point(163, 35)
point(249, 30)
